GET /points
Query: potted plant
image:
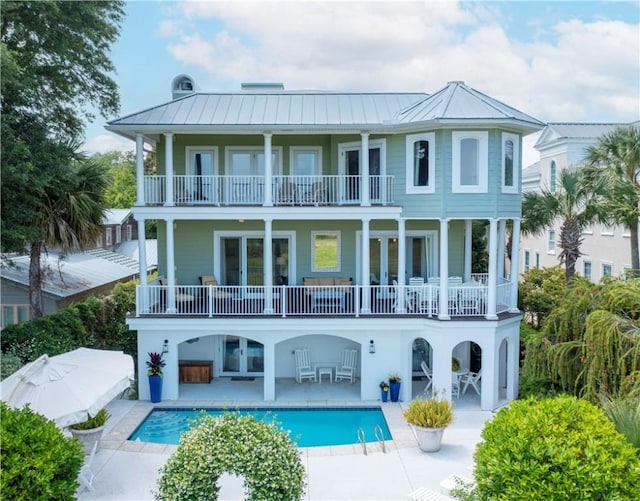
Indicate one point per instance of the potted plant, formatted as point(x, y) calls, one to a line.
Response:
point(428, 419)
point(90, 431)
point(155, 365)
point(394, 386)
point(384, 391)
point(455, 364)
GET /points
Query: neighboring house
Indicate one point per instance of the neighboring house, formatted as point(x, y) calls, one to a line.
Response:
point(606, 250)
point(67, 280)
point(310, 219)
point(119, 226)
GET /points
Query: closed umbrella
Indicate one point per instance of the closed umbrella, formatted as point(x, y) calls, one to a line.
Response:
point(67, 388)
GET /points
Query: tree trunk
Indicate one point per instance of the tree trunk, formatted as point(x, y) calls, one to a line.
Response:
point(635, 251)
point(35, 280)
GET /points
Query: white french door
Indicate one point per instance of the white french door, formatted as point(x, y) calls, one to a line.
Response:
point(241, 356)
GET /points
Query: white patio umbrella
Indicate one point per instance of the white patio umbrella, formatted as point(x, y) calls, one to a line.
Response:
point(68, 387)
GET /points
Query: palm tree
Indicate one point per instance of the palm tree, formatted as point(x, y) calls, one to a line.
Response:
point(571, 202)
point(613, 167)
point(70, 216)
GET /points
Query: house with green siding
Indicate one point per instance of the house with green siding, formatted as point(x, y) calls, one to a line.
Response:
point(334, 223)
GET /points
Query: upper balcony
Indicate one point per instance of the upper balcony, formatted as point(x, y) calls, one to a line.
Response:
point(331, 190)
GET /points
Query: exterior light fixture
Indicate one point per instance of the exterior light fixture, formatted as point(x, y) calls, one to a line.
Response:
point(165, 347)
point(372, 346)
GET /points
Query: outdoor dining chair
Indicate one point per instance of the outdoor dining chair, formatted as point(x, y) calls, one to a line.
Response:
point(471, 378)
point(429, 374)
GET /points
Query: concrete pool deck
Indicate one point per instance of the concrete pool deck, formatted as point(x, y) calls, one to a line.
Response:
point(127, 471)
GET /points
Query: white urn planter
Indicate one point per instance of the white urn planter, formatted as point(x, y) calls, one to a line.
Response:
point(88, 437)
point(429, 439)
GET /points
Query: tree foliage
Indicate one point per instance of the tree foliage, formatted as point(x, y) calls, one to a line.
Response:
point(613, 171)
point(540, 290)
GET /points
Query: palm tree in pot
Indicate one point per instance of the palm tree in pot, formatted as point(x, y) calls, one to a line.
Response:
point(155, 365)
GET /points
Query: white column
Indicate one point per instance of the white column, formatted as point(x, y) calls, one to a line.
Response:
point(468, 249)
point(364, 172)
point(267, 268)
point(489, 381)
point(268, 172)
point(402, 267)
point(140, 201)
point(493, 270)
point(444, 272)
point(171, 267)
point(366, 308)
point(441, 367)
point(502, 231)
point(269, 376)
point(515, 265)
point(142, 301)
point(513, 364)
point(168, 162)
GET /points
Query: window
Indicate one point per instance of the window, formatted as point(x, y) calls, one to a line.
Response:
point(108, 236)
point(551, 241)
point(526, 260)
point(15, 313)
point(420, 163)
point(325, 251)
point(306, 161)
point(99, 241)
point(200, 182)
point(607, 269)
point(552, 177)
point(510, 162)
point(537, 260)
point(586, 269)
point(118, 234)
point(129, 232)
point(470, 162)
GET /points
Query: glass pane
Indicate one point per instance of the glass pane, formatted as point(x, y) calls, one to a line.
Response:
point(305, 163)
point(420, 163)
point(230, 261)
point(469, 166)
point(23, 313)
point(240, 163)
point(508, 163)
point(374, 261)
point(8, 316)
point(392, 260)
point(353, 169)
point(280, 262)
point(255, 261)
point(417, 264)
point(231, 351)
point(326, 251)
point(255, 356)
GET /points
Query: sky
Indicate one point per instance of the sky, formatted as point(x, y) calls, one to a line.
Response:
point(571, 61)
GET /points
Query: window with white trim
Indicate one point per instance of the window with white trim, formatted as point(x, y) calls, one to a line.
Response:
point(537, 260)
point(200, 182)
point(510, 162)
point(553, 173)
point(470, 160)
point(551, 241)
point(420, 163)
point(15, 313)
point(526, 260)
point(305, 160)
point(118, 234)
point(586, 269)
point(129, 232)
point(108, 236)
point(606, 269)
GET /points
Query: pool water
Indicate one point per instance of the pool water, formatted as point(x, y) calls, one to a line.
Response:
point(309, 427)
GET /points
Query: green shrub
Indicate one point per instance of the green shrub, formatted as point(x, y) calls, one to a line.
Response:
point(261, 453)
point(9, 364)
point(559, 448)
point(38, 462)
point(96, 421)
point(625, 415)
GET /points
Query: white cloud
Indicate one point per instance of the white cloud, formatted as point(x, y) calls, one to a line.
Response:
point(104, 143)
point(572, 70)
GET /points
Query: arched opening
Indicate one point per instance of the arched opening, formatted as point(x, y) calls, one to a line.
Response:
point(421, 368)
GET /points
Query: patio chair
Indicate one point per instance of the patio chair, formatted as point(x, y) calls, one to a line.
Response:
point(287, 193)
point(471, 378)
point(455, 385)
point(429, 374)
point(304, 370)
point(347, 369)
point(86, 476)
point(315, 195)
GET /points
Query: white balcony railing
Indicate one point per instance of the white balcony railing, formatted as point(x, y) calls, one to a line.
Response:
point(285, 190)
point(294, 301)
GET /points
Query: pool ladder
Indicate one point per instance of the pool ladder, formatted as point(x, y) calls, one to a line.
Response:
point(377, 431)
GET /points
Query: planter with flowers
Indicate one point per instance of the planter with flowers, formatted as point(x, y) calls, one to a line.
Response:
point(384, 391)
point(394, 386)
point(155, 365)
point(455, 364)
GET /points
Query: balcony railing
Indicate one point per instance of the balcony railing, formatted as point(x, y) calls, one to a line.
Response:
point(295, 301)
point(285, 190)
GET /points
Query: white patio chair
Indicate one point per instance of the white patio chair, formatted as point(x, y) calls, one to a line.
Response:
point(347, 369)
point(471, 378)
point(455, 385)
point(86, 476)
point(429, 374)
point(304, 370)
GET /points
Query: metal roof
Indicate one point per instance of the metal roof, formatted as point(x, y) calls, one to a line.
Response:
point(314, 110)
point(75, 273)
point(457, 101)
point(115, 216)
point(564, 131)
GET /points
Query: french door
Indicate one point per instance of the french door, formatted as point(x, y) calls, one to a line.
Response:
point(350, 168)
point(241, 356)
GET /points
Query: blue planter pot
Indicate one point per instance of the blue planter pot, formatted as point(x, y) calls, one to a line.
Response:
point(155, 388)
point(384, 395)
point(394, 389)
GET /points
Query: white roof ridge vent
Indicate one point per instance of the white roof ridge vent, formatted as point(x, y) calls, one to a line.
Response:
point(453, 82)
point(261, 86)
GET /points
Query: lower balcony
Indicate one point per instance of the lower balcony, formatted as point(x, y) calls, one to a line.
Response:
point(464, 300)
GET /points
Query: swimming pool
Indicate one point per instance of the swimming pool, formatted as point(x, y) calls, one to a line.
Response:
point(309, 426)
